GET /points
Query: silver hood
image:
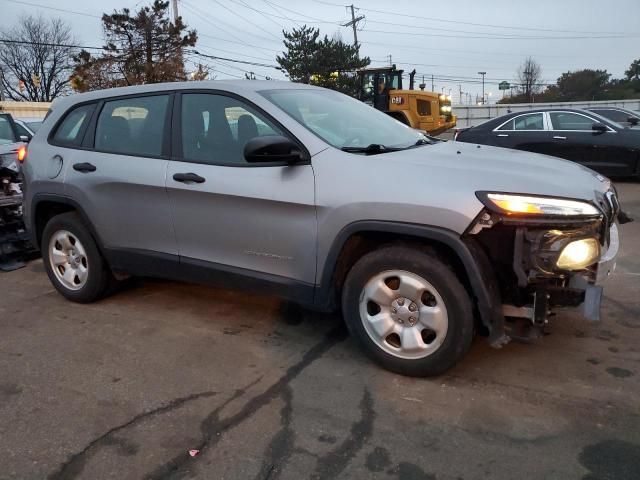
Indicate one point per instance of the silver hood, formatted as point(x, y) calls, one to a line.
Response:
point(482, 167)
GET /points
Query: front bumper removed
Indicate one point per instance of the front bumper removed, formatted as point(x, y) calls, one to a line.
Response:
point(582, 291)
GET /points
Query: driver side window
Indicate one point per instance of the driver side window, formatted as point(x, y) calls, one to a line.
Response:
point(216, 128)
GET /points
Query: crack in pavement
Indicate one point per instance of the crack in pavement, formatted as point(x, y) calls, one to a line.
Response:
point(282, 445)
point(213, 427)
point(330, 465)
point(75, 464)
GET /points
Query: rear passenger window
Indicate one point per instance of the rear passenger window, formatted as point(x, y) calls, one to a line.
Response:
point(529, 122)
point(72, 128)
point(133, 126)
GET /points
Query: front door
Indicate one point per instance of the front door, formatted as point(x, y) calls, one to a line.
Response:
point(575, 139)
point(239, 222)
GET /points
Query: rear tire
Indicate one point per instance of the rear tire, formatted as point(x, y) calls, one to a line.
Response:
point(408, 310)
point(72, 260)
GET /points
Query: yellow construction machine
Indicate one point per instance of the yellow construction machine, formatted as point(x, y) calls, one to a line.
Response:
point(382, 89)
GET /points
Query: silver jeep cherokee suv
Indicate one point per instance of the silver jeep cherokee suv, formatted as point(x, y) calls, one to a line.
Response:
point(313, 196)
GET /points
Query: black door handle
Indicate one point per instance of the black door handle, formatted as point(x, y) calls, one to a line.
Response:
point(188, 177)
point(84, 167)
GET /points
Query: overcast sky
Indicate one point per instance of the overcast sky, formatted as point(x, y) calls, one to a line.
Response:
point(451, 40)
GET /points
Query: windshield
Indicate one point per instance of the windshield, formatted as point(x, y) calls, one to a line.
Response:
point(7, 134)
point(342, 121)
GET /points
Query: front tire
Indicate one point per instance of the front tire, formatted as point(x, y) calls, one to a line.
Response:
point(408, 310)
point(72, 259)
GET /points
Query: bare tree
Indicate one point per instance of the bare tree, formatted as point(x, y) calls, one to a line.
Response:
point(530, 78)
point(38, 53)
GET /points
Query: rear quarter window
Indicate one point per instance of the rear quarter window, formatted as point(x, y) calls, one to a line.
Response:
point(71, 130)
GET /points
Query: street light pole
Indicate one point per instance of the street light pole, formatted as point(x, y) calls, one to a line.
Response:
point(483, 74)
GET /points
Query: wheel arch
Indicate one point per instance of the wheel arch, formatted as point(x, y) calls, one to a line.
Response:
point(44, 207)
point(466, 258)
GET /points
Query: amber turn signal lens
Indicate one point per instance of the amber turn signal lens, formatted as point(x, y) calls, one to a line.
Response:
point(22, 153)
point(525, 204)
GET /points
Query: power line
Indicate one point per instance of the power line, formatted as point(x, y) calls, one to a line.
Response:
point(38, 5)
point(217, 23)
point(505, 37)
point(245, 62)
point(46, 44)
point(281, 7)
point(485, 25)
point(278, 9)
point(245, 19)
point(268, 17)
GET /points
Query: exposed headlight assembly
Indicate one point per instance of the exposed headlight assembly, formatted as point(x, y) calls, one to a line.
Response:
point(579, 254)
point(529, 205)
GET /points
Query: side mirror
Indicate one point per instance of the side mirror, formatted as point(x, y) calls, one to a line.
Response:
point(25, 138)
point(273, 148)
point(633, 120)
point(599, 127)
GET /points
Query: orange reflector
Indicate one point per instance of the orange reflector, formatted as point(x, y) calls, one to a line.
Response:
point(22, 153)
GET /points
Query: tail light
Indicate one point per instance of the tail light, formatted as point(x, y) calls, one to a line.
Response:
point(22, 153)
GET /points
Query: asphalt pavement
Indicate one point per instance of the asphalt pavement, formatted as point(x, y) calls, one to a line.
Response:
point(168, 380)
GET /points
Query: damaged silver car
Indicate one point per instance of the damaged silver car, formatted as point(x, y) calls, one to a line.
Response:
point(305, 193)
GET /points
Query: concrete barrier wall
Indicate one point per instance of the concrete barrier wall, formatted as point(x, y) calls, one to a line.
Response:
point(26, 110)
point(471, 115)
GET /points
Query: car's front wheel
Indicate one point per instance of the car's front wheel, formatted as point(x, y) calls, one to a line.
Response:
point(409, 310)
point(72, 259)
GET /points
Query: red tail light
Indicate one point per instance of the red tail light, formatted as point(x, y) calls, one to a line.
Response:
point(22, 153)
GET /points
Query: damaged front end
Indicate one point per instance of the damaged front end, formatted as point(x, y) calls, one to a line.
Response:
point(547, 253)
point(15, 248)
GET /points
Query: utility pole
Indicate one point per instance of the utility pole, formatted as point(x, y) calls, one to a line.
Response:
point(390, 60)
point(174, 6)
point(433, 87)
point(353, 23)
point(461, 92)
point(483, 74)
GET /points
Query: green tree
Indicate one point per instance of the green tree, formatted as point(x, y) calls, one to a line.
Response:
point(634, 71)
point(145, 47)
point(327, 62)
point(580, 85)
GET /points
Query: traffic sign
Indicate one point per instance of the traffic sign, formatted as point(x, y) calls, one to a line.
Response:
point(504, 86)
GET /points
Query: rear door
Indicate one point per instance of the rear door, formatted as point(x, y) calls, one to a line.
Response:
point(576, 140)
point(117, 176)
point(239, 222)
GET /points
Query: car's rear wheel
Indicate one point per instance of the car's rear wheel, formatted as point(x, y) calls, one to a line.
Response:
point(72, 259)
point(409, 310)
